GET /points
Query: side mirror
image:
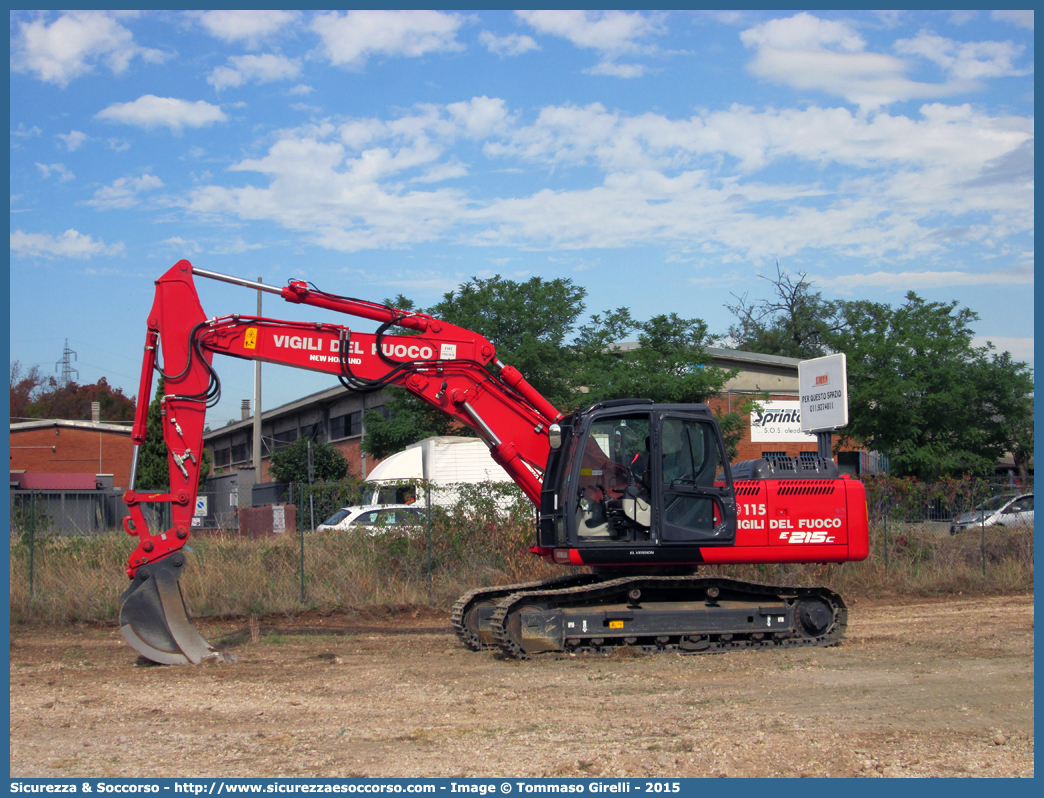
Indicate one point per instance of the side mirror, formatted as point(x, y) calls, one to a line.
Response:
point(554, 436)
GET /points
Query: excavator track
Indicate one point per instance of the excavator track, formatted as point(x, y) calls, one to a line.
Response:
point(684, 614)
point(473, 604)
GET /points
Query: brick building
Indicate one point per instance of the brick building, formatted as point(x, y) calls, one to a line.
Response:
point(73, 447)
point(334, 415)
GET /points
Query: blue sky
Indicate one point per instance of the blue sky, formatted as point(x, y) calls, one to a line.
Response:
point(663, 161)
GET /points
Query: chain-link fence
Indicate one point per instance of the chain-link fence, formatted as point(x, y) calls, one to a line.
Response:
point(924, 537)
point(424, 556)
point(995, 516)
point(67, 512)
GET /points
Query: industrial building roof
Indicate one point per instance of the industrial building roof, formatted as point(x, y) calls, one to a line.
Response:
point(91, 426)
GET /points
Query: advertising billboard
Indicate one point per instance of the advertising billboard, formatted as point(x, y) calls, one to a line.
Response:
point(780, 422)
point(823, 385)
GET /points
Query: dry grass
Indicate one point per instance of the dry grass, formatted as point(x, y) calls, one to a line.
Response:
point(916, 560)
point(82, 578)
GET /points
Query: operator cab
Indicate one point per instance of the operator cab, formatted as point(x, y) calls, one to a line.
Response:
point(635, 482)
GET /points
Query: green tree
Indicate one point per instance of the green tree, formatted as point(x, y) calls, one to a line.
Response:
point(153, 462)
point(733, 423)
point(408, 420)
point(533, 325)
point(528, 323)
point(920, 392)
point(1007, 389)
point(796, 322)
point(291, 464)
point(669, 362)
point(153, 468)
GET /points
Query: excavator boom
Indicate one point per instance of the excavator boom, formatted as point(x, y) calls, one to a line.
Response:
point(448, 367)
point(633, 489)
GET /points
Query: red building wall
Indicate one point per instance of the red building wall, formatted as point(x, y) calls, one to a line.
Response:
point(73, 450)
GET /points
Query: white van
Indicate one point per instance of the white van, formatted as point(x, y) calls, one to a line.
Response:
point(446, 461)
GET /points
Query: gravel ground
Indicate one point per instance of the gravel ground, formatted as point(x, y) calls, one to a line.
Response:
point(940, 687)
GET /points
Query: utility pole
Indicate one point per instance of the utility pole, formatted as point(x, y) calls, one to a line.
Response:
point(65, 366)
point(256, 459)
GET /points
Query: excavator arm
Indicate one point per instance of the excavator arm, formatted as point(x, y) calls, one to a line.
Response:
point(450, 368)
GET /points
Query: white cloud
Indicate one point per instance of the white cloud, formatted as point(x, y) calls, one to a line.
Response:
point(71, 46)
point(512, 44)
point(727, 17)
point(59, 169)
point(803, 32)
point(24, 133)
point(480, 116)
point(910, 281)
point(965, 60)
point(257, 68)
point(350, 39)
point(249, 27)
point(616, 70)
point(1024, 18)
point(606, 31)
point(300, 90)
point(123, 193)
point(440, 172)
point(73, 139)
point(907, 188)
point(806, 52)
point(317, 188)
point(943, 137)
point(70, 244)
point(234, 246)
point(118, 145)
point(183, 245)
point(151, 111)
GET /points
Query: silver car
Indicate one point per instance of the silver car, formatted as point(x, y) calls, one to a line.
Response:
point(1009, 510)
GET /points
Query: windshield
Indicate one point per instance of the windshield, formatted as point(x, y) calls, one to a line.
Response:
point(336, 518)
point(995, 503)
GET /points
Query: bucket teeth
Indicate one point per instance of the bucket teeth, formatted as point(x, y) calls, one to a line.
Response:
point(154, 619)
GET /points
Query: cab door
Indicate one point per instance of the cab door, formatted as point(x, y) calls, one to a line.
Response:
point(693, 509)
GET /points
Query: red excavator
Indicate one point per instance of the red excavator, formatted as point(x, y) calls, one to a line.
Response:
point(641, 493)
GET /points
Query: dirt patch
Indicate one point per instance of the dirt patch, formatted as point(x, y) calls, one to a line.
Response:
point(925, 688)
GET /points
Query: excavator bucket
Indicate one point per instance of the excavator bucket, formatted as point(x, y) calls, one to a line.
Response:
point(154, 619)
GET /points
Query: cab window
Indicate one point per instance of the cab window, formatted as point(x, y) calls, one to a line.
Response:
point(616, 452)
point(689, 453)
point(690, 458)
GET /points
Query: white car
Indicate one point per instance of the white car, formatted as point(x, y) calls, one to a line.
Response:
point(1010, 510)
point(373, 517)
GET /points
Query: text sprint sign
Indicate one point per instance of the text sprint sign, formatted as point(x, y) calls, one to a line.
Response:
point(778, 421)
